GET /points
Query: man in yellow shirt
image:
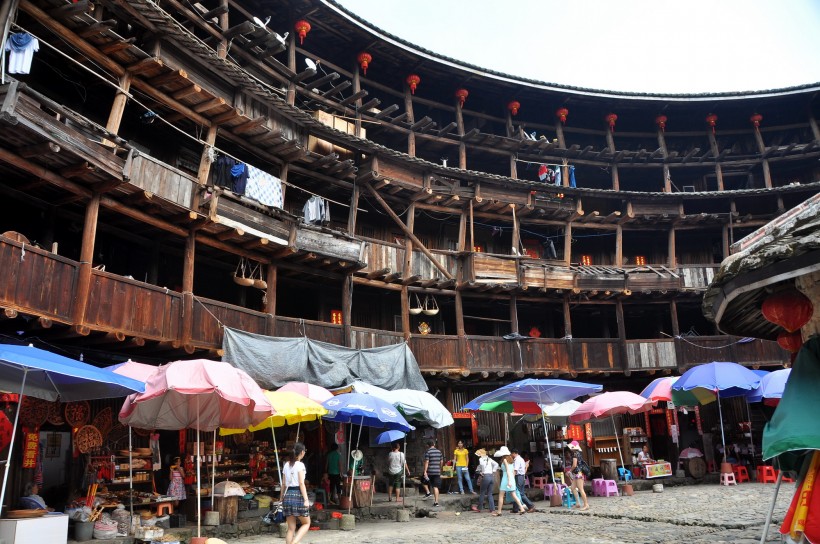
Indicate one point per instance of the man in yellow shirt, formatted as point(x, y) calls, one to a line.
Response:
point(460, 460)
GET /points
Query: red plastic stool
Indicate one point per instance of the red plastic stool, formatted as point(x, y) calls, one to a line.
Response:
point(165, 508)
point(636, 473)
point(741, 474)
point(766, 474)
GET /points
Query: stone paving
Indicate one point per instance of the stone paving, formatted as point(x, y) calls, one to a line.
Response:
point(697, 514)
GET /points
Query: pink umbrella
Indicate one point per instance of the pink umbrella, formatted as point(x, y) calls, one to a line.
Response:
point(611, 404)
point(660, 388)
point(315, 393)
point(132, 369)
point(198, 394)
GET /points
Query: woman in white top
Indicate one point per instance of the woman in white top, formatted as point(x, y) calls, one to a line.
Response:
point(486, 472)
point(294, 496)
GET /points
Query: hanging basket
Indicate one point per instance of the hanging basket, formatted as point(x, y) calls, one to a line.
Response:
point(416, 310)
point(240, 275)
point(430, 305)
point(259, 283)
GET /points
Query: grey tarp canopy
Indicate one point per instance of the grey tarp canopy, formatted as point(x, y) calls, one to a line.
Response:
point(275, 361)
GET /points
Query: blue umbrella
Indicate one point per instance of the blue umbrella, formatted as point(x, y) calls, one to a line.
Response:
point(538, 391)
point(45, 375)
point(390, 436)
point(721, 379)
point(771, 387)
point(366, 410)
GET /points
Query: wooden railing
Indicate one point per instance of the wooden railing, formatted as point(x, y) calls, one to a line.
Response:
point(697, 276)
point(380, 255)
point(209, 314)
point(650, 354)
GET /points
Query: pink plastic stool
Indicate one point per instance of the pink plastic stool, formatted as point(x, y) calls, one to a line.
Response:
point(727, 478)
point(553, 489)
point(610, 489)
point(598, 487)
point(539, 481)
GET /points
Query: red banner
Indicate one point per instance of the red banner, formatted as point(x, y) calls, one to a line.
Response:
point(648, 426)
point(697, 420)
point(588, 430)
point(575, 432)
point(31, 444)
point(669, 422)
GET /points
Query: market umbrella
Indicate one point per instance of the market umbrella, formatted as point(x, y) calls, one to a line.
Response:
point(690, 453)
point(201, 394)
point(288, 408)
point(536, 392)
point(556, 413)
point(316, 393)
point(771, 387)
point(414, 405)
point(709, 382)
point(367, 411)
point(612, 404)
point(45, 375)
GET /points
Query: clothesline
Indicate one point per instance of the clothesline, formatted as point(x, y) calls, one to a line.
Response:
point(540, 163)
point(171, 125)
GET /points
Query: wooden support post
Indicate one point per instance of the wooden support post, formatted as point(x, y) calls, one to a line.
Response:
point(284, 172)
point(516, 233)
point(513, 163)
point(567, 317)
point(725, 239)
point(354, 208)
point(610, 141)
point(667, 178)
point(408, 243)
point(118, 107)
point(357, 86)
point(673, 313)
point(514, 313)
point(222, 48)
point(716, 154)
point(412, 236)
point(671, 250)
point(761, 146)
point(619, 316)
point(568, 244)
point(462, 231)
point(451, 429)
point(347, 307)
point(619, 246)
point(92, 212)
point(291, 94)
point(815, 130)
point(562, 144)
point(204, 164)
point(462, 147)
point(270, 298)
point(188, 287)
point(408, 109)
point(405, 312)
point(472, 228)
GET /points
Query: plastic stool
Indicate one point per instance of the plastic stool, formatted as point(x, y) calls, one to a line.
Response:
point(598, 487)
point(766, 474)
point(636, 472)
point(568, 499)
point(727, 478)
point(165, 508)
point(540, 482)
point(741, 473)
point(527, 482)
point(553, 489)
point(624, 474)
point(610, 488)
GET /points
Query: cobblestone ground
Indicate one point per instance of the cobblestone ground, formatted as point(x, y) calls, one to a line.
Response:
point(690, 514)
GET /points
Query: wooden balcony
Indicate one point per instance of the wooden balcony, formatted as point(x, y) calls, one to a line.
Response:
point(41, 284)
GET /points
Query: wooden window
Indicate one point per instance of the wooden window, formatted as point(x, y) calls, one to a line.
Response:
point(640, 260)
point(586, 260)
point(336, 317)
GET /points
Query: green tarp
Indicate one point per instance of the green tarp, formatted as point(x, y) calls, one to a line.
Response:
point(795, 427)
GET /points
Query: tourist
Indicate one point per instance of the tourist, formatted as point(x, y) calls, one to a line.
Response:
point(461, 462)
point(520, 467)
point(486, 479)
point(333, 471)
point(507, 482)
point(396, 469)
point(176, 488)
point(432, 470)
point(577, 476)
point(294, 497)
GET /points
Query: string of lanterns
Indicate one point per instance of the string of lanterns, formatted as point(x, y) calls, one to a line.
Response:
point(789, 309)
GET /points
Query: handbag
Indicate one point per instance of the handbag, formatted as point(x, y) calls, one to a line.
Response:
point(276, 515)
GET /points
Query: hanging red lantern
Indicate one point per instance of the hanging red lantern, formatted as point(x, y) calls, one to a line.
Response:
point(302, 28)
point(660, 120)
point(364, 59)
point(413, 80)
point(790, 309)
point(790, 341)
point(711, 120)
point(561, 114)
point(514, 106)
point(462, 95)
point(756, 119)
point(5, 431)
point(611, 118)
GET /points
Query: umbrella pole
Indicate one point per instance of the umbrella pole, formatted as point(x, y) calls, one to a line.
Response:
point(751, 437)
point(130, 472)
point(198, 477)
point(353, 475)
point(722, 434)
point(617, 441)
point(547, 440)
point(404, 475)
point(276, 451)
point(11, 444)
point(298, 428)
point(771, 509)
point(213, 470)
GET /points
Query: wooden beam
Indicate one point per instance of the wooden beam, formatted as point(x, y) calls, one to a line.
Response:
point(35, 150)
point(404, 228)
point(207, 105)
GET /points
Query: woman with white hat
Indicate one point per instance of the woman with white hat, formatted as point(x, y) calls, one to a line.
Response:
point(507, 481)
point(486, 472)
point(577, 475)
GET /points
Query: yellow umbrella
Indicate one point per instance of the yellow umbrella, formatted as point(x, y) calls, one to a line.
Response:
point(288, 408)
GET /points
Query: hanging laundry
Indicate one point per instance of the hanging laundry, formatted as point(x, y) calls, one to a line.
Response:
point(546, 174)
point(263, 187)
point(239, 178)
point(316, 210)
point(22, 47)
point(572, 176)
point(556, 174)
point(549, 249)
point(230, 174)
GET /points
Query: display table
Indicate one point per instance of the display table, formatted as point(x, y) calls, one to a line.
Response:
point(658, 470)
point(51, 528)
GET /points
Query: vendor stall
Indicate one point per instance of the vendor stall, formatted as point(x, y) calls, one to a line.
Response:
point(658, 470)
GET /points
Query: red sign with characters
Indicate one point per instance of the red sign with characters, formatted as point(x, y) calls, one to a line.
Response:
point(31, 444)
point(575, 432)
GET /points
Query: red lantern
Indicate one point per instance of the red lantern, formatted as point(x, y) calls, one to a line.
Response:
point(790, 341)
point(462, 95)
point(413, 80)
point(514, 106)
point(5, 431)
point(562, 113)
point(790, 309)
point(660, 120)
point(364, 59)
point(756, 119)
point(711, 120)
point(611, 118)
point(302, 28)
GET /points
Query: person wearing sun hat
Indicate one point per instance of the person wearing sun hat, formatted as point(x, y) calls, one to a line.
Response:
point(577, 475)
point(486, 479)
point(507, 481)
